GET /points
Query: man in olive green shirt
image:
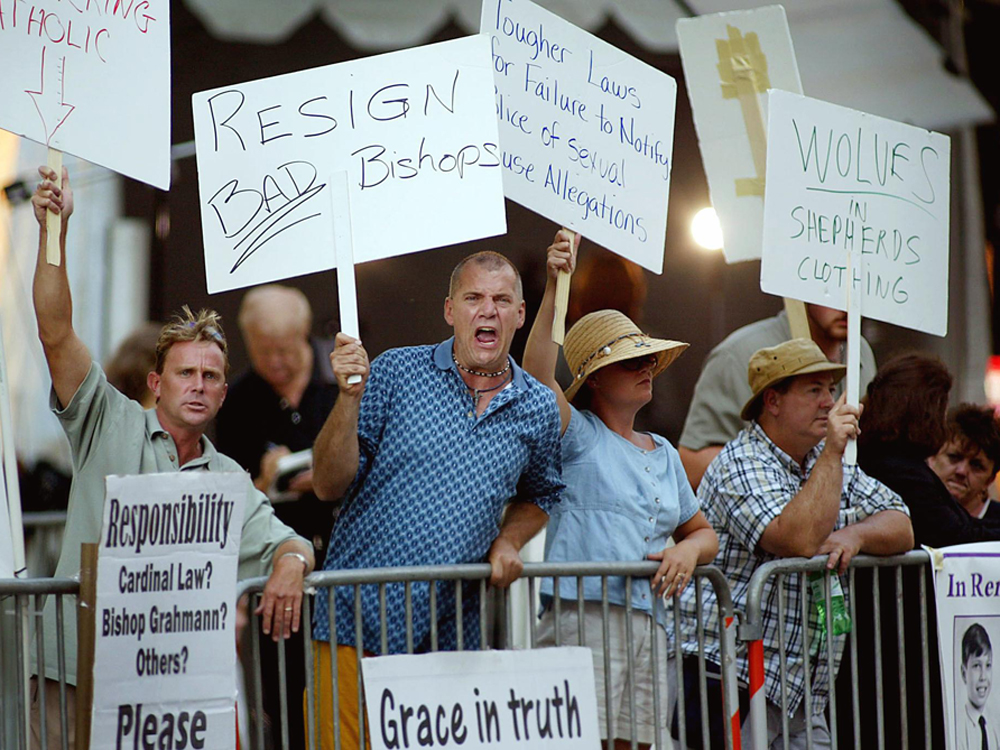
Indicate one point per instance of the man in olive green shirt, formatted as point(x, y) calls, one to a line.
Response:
point(714, 416)
point(111, 434)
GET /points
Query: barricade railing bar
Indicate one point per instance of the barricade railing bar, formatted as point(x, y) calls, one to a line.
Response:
point(751, 631)
point(495, 631)
point(20, 597)
point(21, 601)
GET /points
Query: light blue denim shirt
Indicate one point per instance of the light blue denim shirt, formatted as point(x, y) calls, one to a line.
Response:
point(621, 503)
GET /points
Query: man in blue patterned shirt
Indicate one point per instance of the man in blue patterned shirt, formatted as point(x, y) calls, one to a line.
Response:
point(428, 451)
point(780, 490)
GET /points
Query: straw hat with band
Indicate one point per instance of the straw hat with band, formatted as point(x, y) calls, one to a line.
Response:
point(608, 336)
point(786, 360)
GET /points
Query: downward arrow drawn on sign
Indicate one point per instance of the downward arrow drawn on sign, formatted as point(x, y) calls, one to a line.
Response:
point(52, 107)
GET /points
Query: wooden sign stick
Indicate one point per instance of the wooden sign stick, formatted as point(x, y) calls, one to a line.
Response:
point(53, 222)
point(854, 268)
point(343, 247)
point(562, 297)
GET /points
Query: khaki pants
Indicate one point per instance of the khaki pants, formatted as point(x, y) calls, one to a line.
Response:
point(347, 684)
point(53, 726)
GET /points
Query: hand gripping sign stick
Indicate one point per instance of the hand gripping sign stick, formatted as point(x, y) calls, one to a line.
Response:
point(743, 75)
point(855, 270)
point(562, 296)
point(343, 247)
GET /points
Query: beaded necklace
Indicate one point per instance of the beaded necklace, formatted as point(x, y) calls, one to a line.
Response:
point(477, 393)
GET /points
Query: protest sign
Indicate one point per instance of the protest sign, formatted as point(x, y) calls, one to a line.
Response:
point(586, 131)
point(414, 130)
point(730, 61)
point(91, 79)
point(165, 650)
point(530, 699)
point(967, 588)
point(841, 180)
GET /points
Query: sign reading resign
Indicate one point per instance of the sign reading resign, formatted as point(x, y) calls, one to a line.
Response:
point(730, 61)
point(840, 180)
point(165, 651)
point(92, 79)
point(586, 131)
point(414, 130)
point(542, 698)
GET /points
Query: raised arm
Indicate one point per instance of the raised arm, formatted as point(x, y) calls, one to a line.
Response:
point(809, 517)
point(335, 454)
point(541, 353)
point(67, 356)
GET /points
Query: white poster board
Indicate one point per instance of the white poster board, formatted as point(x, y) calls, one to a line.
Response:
point(840, 180)
point(968, 615)
point(542, 698)
point(711, 48)
point(91, 79)
point(165, 646)
point(414, 130)
point(586, 130)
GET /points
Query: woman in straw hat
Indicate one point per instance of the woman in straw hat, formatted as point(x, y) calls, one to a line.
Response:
point(626, 495)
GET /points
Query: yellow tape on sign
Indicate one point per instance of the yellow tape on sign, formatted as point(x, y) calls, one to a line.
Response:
point(740, 56)
point(749, 186)
point(743, 75)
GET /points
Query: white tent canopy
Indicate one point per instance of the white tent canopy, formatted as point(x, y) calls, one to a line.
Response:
point(868, 55)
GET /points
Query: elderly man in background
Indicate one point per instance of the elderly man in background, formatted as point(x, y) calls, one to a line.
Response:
point(969, 459)
point(444, 454)
point(274, 409)
point(780, 489)
point(110, 433)
point(279, 406)
point(714, 415)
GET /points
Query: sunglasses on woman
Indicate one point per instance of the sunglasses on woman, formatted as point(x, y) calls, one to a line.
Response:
point(638, 363)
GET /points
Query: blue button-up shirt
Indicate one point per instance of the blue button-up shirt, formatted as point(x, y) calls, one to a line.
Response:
point(621, 503)
point(433, 479)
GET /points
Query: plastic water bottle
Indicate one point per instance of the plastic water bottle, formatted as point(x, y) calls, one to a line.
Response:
point(838, 607)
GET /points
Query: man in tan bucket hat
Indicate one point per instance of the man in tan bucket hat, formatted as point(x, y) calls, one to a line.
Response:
point(713, 418)
point(780, 489)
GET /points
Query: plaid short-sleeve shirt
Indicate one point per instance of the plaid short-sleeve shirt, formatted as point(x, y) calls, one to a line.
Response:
point(745, 488)
point(433, 479)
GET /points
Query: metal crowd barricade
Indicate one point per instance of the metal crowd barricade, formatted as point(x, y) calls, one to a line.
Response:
point(21, 602)
point(495, 630)
point(751, 631)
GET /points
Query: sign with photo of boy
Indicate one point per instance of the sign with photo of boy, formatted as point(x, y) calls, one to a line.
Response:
point(967, 588)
